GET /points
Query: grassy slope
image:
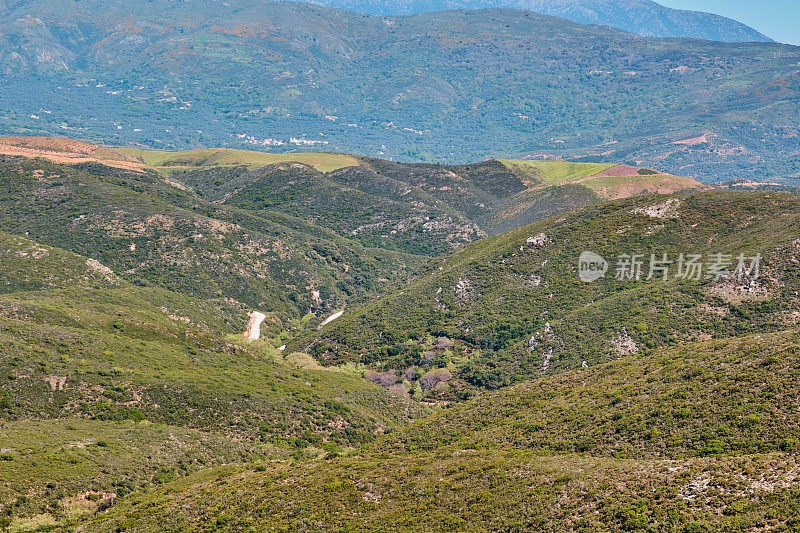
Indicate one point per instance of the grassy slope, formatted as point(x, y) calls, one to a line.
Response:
point(210, 157)
point(87, 360)
point(497, 293)
point(50, 465)
point(153, 234)
point(555, 172)
point(704, 427)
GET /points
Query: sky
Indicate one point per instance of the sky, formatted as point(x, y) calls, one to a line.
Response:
point(777, 19)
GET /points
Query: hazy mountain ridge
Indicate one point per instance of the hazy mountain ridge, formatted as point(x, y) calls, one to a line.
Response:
point(642, 17)
point(286, 76)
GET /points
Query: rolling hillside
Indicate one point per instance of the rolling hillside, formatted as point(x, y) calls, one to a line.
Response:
point(129, 398)
point(701, 437)
point(512, 307)
point(449, 87)
point(108, 387)
point(413, 208)
point(151, 233)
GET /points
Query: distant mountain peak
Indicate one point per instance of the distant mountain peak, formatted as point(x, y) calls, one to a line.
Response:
point(643, 17)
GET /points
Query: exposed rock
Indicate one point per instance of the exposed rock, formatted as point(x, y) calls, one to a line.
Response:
point(543, 336)
point(735, 292)
point(546, 360)
point(668, 209)
point(37, 252)
point(538, 240)
point(444, 344)
point(464, 288)
point(439, 304)
point(100, 268)
point(623, 344)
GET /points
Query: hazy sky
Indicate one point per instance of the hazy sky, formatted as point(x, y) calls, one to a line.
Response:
point(777, 19)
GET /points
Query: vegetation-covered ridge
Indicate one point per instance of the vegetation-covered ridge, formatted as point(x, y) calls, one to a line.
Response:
point(700, 437)
point(151, 233)
point(638, 16)
point(414, 208)
point(107, 387)
point(513, 306)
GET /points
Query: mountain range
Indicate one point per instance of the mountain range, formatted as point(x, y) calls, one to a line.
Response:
point(451, 87)
point(642, 17)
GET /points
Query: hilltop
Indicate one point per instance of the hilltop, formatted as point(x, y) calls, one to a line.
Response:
point(448, 87)
point(419, 209)
point(151, 233)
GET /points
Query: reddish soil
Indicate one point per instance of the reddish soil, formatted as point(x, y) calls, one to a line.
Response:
point(60, 150)
point(618, 171)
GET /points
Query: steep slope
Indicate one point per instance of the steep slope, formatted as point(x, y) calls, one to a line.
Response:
point(414, 208)
point(514, 306)
point(151, 233)
point(700, 437)
point(108, 387)
point(643, 17)
point(453, 86)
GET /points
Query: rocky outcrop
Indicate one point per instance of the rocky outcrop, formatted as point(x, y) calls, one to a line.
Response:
point(444, 343)
point(623, 344)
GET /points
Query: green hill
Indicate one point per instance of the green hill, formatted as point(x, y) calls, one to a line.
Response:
point(696, 438)
point(107, 387)
point(129, 399)
point(418, 209)
point(153, 234)
point(513, 306)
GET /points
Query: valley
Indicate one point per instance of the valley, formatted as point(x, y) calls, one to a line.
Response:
point(428, 357)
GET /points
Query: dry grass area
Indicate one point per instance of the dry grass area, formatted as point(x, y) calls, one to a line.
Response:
point(68, 151)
